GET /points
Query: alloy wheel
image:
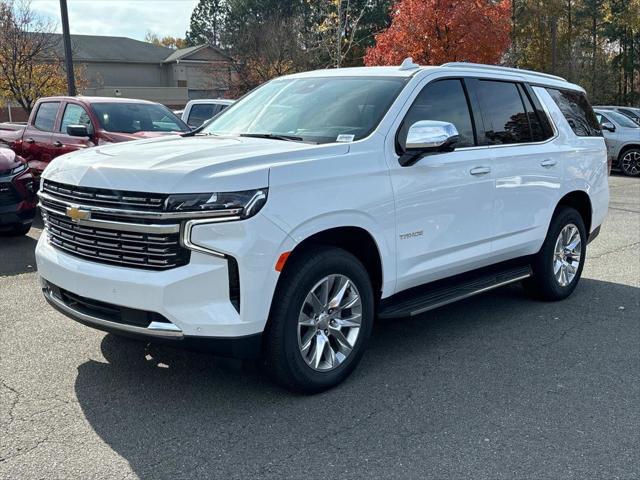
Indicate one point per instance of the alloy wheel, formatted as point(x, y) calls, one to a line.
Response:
point(329, 322)
point(567, 254)
point(630, 163)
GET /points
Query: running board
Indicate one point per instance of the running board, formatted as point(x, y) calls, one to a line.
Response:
point(422, 299)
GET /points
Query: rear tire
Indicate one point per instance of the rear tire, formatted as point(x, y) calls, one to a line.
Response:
point(630, 162)
point(338, 326)
point(558, 265)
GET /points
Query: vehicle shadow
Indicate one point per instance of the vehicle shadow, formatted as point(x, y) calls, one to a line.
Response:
point(17, 254)
point(429, 393)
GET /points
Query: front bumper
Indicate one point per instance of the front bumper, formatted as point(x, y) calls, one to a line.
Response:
point(247, 347)
point(194, 298)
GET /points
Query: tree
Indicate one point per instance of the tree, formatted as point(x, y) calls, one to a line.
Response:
point(166, 41)
point(29, 66)
point(207, 23)
point(439, 31)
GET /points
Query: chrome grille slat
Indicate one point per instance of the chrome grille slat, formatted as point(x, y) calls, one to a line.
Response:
point(84, 242)
point(106, 234)
point(87, 196)
point(124, 242)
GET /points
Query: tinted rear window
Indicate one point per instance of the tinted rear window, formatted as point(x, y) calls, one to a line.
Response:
point(46, 116)
point(576, 109)
point(201, 112)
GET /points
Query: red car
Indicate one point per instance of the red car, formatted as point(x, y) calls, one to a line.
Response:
point(17, 194)
point(60, 125)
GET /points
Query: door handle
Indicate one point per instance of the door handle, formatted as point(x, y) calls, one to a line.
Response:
point(480, 170)
point(548, 163)
point(57, 143)
point(30, 140)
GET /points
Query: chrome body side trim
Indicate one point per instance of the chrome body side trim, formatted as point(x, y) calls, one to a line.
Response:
point(155, 329)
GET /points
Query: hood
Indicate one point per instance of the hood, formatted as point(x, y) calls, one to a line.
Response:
point(178, 164)
point(8, 160)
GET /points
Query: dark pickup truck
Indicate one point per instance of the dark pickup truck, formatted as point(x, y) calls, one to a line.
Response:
point(60, 125)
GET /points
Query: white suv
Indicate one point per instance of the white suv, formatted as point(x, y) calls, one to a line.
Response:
point(321, 200)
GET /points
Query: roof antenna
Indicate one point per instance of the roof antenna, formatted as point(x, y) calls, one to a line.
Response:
point(407, 64)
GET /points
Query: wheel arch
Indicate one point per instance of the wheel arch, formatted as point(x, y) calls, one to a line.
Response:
point(354, 239)
point(579, 200)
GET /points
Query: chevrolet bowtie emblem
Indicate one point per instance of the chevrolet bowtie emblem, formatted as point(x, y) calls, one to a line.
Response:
point(76, 214)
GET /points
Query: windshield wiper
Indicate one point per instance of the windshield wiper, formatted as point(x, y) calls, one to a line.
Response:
point(273, 136)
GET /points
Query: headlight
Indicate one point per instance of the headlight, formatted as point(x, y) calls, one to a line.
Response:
point(20, 168)
point(243, 204)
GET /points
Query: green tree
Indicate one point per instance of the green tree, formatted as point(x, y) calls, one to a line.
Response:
point(207, 22)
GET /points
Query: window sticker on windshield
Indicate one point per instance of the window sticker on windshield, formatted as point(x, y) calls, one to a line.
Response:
point(345, 138)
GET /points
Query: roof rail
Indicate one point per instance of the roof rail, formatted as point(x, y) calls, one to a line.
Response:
point(480, 66)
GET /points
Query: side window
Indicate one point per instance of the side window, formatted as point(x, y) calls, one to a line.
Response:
point(75, 115)
point(445, 101)
point(576, 109)
point(540, 127)
point(200, 113)
point(46, 116)
point(503, 113)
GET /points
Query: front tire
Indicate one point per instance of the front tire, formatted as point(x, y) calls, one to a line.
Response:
point(17, 230)
point(320, 321)
point(558, 265)
point(630, 162)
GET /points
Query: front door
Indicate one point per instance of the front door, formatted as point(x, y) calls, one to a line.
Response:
point(62, 142)
point(444, 202)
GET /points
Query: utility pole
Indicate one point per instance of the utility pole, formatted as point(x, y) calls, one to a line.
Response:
point(66, 36)
point(339, 36)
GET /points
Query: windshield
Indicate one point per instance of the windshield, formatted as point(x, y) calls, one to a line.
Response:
point(137, 117)
point(318, 110)
point(622, 120)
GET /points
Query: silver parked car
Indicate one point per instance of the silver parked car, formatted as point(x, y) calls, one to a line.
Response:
point(622, 136)
point(631, 112)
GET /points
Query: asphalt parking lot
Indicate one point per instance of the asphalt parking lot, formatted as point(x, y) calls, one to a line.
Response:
point(498, 386)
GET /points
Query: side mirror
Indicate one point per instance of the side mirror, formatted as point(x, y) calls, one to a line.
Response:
point(608, 126)
point(78, 131)
point(426, 136)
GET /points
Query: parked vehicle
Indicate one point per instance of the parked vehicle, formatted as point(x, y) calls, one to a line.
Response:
point(631, 112)
point(196, 112)
point(285, 225)
point(622, 136)
point(59, 125)
point(17, 194)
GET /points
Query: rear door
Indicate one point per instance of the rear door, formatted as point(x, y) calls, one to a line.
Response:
point(526, 164)
point(73, 114)
point(37, 148)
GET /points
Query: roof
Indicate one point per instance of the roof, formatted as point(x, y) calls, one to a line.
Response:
point(96, 48)
point(183, 53)
point(408, 69)
point(216, 101)
point(89, 100)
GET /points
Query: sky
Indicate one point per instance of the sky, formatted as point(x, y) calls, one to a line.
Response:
point(125, 18)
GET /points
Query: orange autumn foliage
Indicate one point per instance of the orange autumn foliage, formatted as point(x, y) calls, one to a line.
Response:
point(439, 31)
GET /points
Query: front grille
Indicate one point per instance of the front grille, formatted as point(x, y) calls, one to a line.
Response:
point(8, 196)
point(101, 197)
point(111, 237)
point(143, 250)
